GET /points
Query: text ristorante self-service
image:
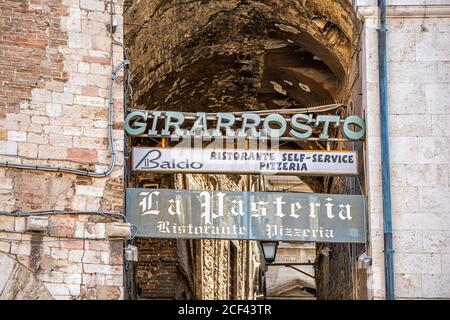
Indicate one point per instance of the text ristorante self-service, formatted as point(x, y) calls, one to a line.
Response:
point(285, 157)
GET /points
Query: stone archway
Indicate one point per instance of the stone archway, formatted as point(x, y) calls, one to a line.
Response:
point(236, 55)
point(241, 55)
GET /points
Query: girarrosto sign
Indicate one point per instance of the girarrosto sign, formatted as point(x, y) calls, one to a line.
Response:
point(299, 126)
point(196, 214)
point(245, 161)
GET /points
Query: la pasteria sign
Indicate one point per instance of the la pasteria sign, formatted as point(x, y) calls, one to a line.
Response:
point(196, 214)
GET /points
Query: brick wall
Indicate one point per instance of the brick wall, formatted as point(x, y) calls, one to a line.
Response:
point(156, 275)
point(55, 65)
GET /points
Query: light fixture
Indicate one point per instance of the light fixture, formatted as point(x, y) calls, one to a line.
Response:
point(269, 249)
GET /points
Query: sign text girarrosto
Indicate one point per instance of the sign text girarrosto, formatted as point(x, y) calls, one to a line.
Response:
point(299, 126)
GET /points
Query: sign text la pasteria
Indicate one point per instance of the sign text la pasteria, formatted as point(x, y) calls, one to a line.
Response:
point(245, 161)
point(166, 213)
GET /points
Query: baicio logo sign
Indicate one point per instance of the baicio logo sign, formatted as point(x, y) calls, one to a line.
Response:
point(244, 161)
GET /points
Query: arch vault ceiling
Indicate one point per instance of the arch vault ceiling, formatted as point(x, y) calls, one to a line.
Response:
point(238, 55)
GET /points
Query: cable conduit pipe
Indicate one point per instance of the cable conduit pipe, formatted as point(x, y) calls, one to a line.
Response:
point(110, 141)
point(385, 161)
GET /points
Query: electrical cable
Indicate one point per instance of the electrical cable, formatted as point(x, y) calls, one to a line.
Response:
point(17, 213)
point(112, 151)
point(45, 241)
point(133, 226)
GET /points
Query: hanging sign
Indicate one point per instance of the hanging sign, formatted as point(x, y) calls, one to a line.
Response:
point(299, 126)
point(307, 217)
point(245, 161)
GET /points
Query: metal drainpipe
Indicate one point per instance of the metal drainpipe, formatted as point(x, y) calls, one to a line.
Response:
point(385, 162)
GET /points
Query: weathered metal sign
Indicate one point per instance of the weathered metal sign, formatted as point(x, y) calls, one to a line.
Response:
point(245, 161)
point(309, 217)
point(299, 126)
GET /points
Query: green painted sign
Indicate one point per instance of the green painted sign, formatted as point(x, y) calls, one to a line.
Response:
point(208, 214)
point(299, 126)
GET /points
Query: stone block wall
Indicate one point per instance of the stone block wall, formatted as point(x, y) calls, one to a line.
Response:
point(419, 110)
point(55, 67)
point(61, 257)
point(216, 276)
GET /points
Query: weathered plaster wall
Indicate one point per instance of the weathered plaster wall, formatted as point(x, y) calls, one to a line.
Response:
point(419, 111)
point(55, 65)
